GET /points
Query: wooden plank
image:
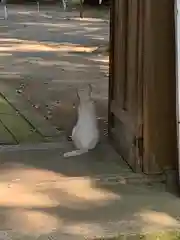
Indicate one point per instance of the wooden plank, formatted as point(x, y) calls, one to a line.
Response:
point(120, 46)
point(111, 66)
point(159, 87)
point(140, 78)
point(177, 33)
point(132, 58)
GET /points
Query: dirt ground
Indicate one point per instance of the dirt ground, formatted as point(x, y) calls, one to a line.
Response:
point(46, 56)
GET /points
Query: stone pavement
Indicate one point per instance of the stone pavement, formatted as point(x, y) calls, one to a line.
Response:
point(44, 58)
point(20, 123)
point(44, 196)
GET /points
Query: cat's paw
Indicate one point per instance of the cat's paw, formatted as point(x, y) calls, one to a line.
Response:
point(69, 138)
point(66, 154)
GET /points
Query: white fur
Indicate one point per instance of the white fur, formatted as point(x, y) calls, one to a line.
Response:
point(85, 134)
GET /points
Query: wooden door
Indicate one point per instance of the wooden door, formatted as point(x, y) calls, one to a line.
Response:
point(142, 86)
point(125, 85)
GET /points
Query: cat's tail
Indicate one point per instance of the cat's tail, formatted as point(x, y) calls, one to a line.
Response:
point(75, 153)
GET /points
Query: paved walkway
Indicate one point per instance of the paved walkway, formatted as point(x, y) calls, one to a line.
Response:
point(45, 57)
point(44, 196)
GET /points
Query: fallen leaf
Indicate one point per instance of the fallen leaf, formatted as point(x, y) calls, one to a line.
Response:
point(19, 91)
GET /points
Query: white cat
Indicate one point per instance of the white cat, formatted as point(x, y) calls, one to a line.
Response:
point(85, 134)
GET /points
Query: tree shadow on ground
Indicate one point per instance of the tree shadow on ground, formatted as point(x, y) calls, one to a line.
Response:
point(74, 196)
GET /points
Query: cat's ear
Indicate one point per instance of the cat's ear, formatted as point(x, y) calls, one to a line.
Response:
point(90, 89)
point(77, 93)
